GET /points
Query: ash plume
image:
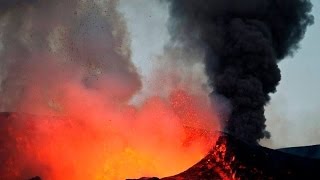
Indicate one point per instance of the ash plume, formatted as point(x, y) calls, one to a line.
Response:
point(243, 42)
point(7, 5)
point(67, 81)
point(64, 58)
point(47, 43)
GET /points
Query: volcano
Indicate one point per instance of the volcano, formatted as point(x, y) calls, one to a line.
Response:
point(63, 147)
point(246, 161)
point(229, 158)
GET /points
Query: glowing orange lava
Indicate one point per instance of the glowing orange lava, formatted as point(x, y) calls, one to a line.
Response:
point(69, 63)
point(103, 140)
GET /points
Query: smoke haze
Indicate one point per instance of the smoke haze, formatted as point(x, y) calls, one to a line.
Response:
point(70, 62)
point(72, 36)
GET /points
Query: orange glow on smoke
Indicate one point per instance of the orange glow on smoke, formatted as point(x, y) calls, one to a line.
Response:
point(69, 63)
point(102, 139)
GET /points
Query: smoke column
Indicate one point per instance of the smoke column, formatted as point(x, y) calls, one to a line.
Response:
point(243, 42)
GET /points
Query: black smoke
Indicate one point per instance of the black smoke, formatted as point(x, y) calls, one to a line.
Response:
point(243, 41)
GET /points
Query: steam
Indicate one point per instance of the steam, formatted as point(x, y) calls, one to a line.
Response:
point(243, 41)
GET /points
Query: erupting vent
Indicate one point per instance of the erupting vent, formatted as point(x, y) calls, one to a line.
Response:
point(92, 117)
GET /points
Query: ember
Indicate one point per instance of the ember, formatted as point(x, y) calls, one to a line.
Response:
point(68, 64)
point(93, 116)
point(245, 161)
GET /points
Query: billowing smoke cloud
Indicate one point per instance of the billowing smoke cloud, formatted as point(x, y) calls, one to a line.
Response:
point(45, 41)
point(243, 42)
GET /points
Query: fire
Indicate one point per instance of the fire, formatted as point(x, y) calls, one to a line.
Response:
point(100, 140)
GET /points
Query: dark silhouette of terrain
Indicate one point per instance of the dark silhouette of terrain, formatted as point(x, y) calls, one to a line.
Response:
point(304, 151)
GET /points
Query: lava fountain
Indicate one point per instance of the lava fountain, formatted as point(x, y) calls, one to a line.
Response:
point(116, 143)
point(66, 72)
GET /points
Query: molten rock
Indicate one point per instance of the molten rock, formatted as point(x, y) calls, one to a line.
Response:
point(234, 159)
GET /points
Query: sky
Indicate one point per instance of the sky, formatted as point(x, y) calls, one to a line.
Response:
point(293, 115)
